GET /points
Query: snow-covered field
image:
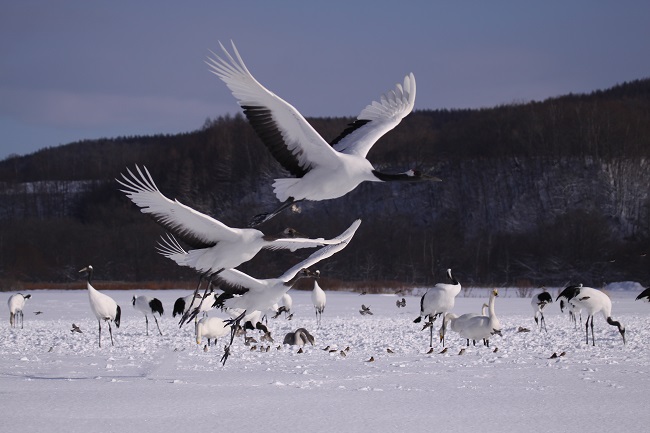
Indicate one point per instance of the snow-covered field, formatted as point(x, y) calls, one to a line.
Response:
point(53, 380)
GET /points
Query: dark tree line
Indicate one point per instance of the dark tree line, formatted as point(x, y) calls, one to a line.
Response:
point(538, 193)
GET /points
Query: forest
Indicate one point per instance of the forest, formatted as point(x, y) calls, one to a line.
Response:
point(540, 193)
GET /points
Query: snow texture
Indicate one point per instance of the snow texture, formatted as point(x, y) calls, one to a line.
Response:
point(52, 379)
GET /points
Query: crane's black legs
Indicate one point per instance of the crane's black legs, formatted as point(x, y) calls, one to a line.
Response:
point(110, 331)
point(157, 325)
point(234, 324)
point(263, 217)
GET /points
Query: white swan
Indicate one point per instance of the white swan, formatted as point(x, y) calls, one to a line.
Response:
point(482, 327)
point(211, 327)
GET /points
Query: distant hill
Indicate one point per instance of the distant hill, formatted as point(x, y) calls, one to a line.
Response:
point(537, 193)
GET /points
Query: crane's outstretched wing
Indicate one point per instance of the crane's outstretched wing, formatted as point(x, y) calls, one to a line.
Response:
point(192, 227)
point(324, 252)
point(377, 119)
point(235, 281)
point(285, 132)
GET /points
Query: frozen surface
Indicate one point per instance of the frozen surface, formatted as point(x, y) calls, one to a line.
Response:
point(54, 380)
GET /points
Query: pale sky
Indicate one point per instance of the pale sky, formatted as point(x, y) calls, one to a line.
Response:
point(74, 70)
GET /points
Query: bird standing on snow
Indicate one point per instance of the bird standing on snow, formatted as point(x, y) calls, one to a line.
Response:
point(298, 338)
point(146, 306)
point(594, 301)
point(211, 327)
point(16, 303)
point(482, 327)
point(538, 302)
point(319, 299)
point(438, 300)
point(456, 323)
point(322, 170)
point(103, 306)
point(565, 296)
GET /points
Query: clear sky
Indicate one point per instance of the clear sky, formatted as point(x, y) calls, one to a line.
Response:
point(73, 70)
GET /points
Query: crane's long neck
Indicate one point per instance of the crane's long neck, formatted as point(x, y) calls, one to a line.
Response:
point(621, 328)
point(89, 278)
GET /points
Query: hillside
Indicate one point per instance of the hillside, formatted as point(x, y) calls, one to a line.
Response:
point(537, 193)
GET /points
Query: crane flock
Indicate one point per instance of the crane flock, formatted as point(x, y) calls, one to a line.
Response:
point(319, 171)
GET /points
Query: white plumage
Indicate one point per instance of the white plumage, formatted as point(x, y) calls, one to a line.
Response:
point(211, 327)
point(319, 299)
point(594, 301)
point(286, 302)
point(322, 170)
point(456, 323)
point(249, 293)
point(146, 306)
point(482, 327)
point(103, 306)
point(438, 300)
point(214, 245)
point(16, 303)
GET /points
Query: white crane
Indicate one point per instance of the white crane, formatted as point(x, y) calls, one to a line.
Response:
point(322, 170)
point(319, 299)
point(103, 306)
point(211, 327)
point(16, 303)
point(575, 313)
point(538, 302)
point(214, 246)
point(249, 293)
point(644, 295)
point(593, 301)
point(299, 337)
point(482, 327)
point(146, 306)
point(438, 300)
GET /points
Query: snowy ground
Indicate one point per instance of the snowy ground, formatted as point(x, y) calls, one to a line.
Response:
point(54, 380)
